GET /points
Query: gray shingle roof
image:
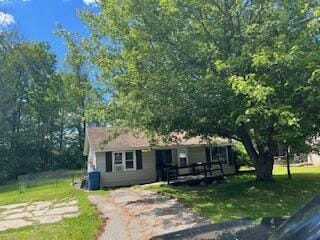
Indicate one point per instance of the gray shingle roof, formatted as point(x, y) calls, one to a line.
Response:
point(104, 138)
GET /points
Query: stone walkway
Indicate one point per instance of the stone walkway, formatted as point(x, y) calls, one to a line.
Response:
point(133, 214)
point(40, 212)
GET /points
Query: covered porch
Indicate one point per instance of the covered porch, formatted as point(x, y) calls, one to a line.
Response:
point(193, 165)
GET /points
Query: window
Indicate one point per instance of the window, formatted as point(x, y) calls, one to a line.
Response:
point(223, 155)
point(129, 160)
point(118, 164)
point(219, 154)
point(167, 156)
point(183, 157)
point(124, 161)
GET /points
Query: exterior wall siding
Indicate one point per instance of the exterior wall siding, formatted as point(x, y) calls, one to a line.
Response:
point(198, 154)
point(125, 178)
point(148, 173)
point(174, 156)
point(91, 163)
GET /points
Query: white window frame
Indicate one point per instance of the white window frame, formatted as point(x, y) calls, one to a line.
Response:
point(134, 161)
point(113, 161)
point(227, 155)
point(187, 155)
point(124, 161)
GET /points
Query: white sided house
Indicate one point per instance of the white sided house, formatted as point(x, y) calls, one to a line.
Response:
point(129, 159)
point(314, 157)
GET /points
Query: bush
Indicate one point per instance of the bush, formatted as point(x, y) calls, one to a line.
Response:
point(241, 157)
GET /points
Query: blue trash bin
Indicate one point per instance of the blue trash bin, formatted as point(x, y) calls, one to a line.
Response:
point(93, 180)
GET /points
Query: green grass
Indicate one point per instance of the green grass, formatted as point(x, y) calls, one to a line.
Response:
point(241, 196)
point(85, 227)
point(237, 197)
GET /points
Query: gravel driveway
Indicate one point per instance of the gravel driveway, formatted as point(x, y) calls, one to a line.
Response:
point(139, 214)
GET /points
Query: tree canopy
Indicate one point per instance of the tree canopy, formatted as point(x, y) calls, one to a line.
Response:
point(246, 70)
point(41, 109)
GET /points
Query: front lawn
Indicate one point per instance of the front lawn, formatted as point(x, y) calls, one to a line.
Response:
point(85, 227)
point(241, 196)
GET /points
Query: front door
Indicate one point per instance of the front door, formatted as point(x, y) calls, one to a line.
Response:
point(163, 158)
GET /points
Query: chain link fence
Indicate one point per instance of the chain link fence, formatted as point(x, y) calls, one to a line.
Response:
point(54, 176)
point(294, 159)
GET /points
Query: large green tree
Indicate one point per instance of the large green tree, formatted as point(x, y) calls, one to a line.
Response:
point(242, 69)
point(41, 110)
point(28, 107)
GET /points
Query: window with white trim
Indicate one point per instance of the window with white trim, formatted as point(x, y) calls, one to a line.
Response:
point(124, 161)
point(118, 161)
point(219, 154)
point(130, 163)
point(183, 157)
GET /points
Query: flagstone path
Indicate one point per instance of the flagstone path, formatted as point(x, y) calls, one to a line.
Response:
point(40, 212)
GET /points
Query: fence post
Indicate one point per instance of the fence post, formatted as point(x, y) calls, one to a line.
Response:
point(56, 177)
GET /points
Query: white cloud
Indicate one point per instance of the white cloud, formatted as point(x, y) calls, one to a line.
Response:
point(89, 2)
point(6, 19)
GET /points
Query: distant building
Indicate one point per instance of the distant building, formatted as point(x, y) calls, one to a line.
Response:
point(314, 158)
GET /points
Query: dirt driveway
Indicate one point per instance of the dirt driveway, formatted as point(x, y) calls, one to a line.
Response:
point(139, 214)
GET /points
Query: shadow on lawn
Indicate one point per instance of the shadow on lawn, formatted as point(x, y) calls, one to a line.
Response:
point(243, 197)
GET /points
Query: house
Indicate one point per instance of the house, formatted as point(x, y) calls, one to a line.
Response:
point(314, 159)
point(128, 158)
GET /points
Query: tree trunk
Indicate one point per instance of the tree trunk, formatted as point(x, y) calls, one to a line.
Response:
point(263, 160)
point(264, 167)
point(62, 127)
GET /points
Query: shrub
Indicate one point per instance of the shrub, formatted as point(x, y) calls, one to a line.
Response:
point(241, 157)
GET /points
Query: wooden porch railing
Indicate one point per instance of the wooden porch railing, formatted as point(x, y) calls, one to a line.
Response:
point(195, 169)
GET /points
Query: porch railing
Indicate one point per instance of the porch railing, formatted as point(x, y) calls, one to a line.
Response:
point(206, 169)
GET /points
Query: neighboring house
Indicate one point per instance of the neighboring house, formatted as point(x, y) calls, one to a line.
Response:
point(314, 159)
point(129, 158)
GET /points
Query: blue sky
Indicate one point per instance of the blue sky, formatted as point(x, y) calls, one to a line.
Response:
point(36, 19)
